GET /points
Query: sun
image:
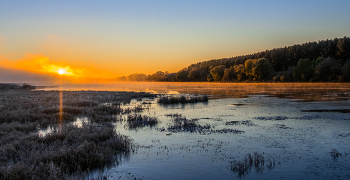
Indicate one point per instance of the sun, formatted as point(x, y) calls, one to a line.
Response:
point(61, 71)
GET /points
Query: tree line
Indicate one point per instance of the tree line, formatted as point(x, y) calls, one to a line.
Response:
point(322, 61)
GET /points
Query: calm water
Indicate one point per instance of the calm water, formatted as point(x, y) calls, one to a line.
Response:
point(296, 124)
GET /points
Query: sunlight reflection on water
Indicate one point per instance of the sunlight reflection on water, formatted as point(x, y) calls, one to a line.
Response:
point(280, 126)
point(303, 91)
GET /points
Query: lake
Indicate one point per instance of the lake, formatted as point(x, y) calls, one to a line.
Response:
point(302, 131)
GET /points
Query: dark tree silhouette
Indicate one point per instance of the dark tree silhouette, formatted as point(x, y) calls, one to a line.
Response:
point(300, 62)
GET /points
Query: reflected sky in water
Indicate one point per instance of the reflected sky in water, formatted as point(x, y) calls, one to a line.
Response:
point(298, 91)
point(277, 120)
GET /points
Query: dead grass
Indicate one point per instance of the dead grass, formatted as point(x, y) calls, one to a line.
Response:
point(68, 152)
point(61, 154)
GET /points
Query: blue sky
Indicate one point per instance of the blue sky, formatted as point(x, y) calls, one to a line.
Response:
point(125, 37)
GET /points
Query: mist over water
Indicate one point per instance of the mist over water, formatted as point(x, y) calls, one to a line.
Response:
point(300, 91)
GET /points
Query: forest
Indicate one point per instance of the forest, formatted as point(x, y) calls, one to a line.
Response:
point(322, 61)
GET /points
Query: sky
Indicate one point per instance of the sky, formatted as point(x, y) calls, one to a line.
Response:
point(107, 39)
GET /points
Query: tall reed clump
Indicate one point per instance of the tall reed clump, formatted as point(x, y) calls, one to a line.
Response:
point(182, 124)
point(61, 154)
point(136, 120)
point(258, 161)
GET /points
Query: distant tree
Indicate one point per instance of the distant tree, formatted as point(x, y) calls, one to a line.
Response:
point(158, 76)
point(170, 77)
point(343, 52)
point(249, 66)
point(204, 74)
point(194, 74)
point(303, 71)
point(258, 69)
point(284, 60)
point(327, 70)
point(263, 69)
point(123, 78)
point(210, 78)
point(136, 77)
point(317, 61)
point(217, 72)
point(181, 76)
point(278, 58)
point(229, 74)
point(346, 71)
point(240, 72)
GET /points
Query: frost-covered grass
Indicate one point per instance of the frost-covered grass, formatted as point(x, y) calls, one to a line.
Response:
point(67, 152)
point(42, 107)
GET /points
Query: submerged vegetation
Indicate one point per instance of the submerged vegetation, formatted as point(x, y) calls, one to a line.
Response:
point(322, 61)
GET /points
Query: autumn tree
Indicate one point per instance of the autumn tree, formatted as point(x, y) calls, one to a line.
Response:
point(217, 72)
point(229, 74)
point(258, 69)
point(240, 72)
point(194, 74)
point(181, 76)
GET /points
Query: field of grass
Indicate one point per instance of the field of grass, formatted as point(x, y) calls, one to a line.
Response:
point(67, 151)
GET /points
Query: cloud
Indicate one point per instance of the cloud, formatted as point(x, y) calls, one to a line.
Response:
point(38, 68)
point(41, 64)
point(20, 76)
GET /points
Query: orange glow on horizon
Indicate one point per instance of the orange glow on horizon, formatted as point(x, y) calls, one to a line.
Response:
point(41, 65)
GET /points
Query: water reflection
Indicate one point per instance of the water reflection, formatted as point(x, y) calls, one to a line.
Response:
point(299, 91)
point(297, 134)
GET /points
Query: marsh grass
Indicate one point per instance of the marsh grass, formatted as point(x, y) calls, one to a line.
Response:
point(182, 124)
point(67, 151)
point(42, 107)
point(174, 115)
point(335, 154)
point(137, 121)
point(246, 123)
point(182, 99)
point(256, 161)
point(60, 154)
